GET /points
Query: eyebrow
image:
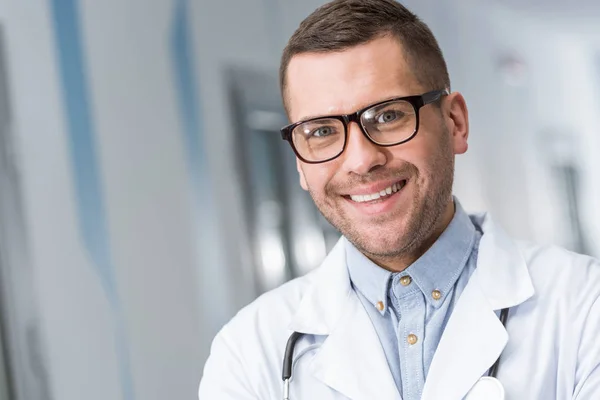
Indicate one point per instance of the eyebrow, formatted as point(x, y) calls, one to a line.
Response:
point(309, 117)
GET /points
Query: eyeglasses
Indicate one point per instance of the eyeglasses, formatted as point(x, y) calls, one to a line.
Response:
point(387, 123)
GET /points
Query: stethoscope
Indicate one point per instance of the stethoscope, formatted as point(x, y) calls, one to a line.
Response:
point(487, 387)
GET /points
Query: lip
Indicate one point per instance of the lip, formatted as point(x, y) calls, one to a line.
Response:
point(373, 188)
point(380, 206)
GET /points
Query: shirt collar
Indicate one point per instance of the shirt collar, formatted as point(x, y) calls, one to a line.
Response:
point(441, 265)
point(436, 270)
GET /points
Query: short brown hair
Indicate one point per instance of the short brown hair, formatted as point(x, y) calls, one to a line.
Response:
point(342, 24)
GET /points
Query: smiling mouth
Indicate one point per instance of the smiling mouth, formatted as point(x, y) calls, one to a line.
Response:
point(378, 196)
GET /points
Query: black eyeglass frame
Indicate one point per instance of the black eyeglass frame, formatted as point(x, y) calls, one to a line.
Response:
point(417, 102)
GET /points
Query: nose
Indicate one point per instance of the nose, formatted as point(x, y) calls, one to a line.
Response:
point(361, 155)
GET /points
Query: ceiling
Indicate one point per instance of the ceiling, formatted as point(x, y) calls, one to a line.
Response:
point(557, 8)
point(579, 17)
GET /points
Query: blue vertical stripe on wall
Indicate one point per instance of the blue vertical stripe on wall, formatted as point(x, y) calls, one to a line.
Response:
point(204, 207)
point(84, 161)
point(189, 106)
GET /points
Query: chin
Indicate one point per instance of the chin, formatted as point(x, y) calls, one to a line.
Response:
point(387, 242)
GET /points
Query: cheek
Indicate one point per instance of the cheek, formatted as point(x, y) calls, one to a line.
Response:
point(430, 143)
point(429, 154)
point(418, 152)
point(317, 177)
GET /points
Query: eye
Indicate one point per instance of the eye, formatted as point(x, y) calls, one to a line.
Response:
point(322, 131)
point(388, 116)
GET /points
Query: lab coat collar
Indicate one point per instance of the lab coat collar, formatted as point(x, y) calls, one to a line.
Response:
point(474, 336)
point(501, 272)
point(501, 268)
point(323, 303)
point(472, 340)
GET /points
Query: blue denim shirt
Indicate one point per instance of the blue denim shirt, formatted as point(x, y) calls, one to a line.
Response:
point(417, 302)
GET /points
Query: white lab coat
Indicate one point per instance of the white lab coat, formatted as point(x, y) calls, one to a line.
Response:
point(550, 347)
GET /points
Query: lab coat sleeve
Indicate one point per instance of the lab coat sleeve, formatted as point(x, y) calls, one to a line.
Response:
point(588, 365)
point(225, 376)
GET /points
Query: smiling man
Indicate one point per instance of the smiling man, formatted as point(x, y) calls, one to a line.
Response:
point(418, 300)
point(375, 78)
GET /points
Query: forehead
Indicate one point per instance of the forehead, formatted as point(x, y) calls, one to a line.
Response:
point(342, 82)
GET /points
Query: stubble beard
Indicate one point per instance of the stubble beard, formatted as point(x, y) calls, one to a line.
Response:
point(421, 220)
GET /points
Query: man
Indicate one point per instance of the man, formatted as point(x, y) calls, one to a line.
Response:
point(408, 303)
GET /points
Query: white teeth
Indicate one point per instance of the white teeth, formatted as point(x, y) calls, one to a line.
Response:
point(375, 196)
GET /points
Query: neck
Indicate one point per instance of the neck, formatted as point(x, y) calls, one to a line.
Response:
point(400, 263)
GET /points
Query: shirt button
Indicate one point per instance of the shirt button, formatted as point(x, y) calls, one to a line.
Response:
point(412, 339)
point(405, 280)
point(380, 305)
point(436, 294)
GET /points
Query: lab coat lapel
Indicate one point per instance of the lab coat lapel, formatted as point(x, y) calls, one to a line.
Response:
point(472, 341)
point(351, 359)
point(474, 336)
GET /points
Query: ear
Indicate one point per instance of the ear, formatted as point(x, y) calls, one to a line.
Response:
point(457, 119)
point(301, 173)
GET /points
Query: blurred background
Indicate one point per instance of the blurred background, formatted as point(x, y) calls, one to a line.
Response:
point(146, 196)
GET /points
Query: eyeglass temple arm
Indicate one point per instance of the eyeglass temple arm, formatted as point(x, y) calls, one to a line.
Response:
point(433, 96)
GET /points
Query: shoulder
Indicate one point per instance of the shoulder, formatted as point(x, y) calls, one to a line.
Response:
point(274, 309)
point(566, 286)
point(263, 324)
point(554, 271)
point(249, 348)
point(555, 268)
point(272, 312)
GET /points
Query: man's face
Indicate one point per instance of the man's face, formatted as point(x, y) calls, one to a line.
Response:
point(320, 84)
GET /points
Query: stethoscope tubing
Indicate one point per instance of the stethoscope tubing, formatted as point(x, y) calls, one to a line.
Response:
point(288, 359)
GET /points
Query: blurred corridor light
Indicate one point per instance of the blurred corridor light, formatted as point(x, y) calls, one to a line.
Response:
point(310, 250)
point(270, 245)
point(273, 259)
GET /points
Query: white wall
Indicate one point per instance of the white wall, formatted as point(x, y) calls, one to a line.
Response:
point(147, 193)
